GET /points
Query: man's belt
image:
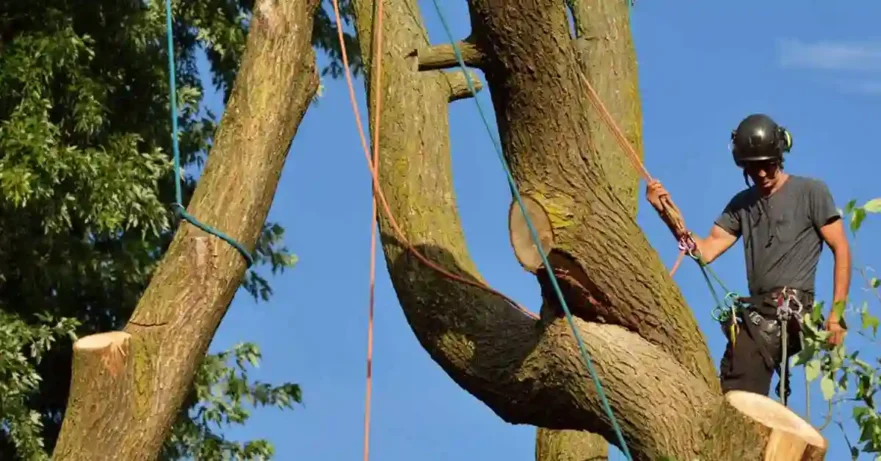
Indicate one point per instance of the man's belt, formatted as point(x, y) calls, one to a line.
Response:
point(768, 303)
point(762, 316)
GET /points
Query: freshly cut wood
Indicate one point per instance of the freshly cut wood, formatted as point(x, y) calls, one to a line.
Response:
point(525, 250)
point(103, 377)
point(755, 427)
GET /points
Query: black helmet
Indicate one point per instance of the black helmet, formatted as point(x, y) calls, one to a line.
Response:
point(759, 138)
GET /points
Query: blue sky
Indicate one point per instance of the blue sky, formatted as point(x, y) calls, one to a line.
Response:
point(703, 66)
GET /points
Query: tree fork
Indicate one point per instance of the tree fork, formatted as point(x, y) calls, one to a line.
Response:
point(173, 324)
point(540, 106)
point(526, 371)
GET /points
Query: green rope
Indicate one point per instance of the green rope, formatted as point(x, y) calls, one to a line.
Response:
point(512, 185)
point(178, 195)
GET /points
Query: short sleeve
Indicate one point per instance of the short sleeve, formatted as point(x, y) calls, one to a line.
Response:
point(822, 205)
point(729, 220)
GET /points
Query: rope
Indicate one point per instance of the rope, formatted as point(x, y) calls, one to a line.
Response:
point(373, 226)
point(377, 43)
point(512, 184)
point(179, 209)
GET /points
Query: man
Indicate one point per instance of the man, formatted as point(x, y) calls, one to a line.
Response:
point(784, 220)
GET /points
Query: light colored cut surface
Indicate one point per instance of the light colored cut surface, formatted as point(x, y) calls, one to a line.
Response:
point(101, 341)
point(521, 238)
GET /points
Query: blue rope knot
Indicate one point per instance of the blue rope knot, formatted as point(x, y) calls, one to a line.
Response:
point(181, 213)
point(179, 209)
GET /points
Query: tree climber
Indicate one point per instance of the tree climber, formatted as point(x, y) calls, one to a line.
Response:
point(784, 220)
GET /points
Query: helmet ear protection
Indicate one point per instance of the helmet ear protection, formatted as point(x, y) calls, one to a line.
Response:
point(785, 139)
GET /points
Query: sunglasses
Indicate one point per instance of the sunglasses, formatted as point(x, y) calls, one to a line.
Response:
point(765, 165)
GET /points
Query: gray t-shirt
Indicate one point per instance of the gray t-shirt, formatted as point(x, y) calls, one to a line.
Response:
point(781, 232)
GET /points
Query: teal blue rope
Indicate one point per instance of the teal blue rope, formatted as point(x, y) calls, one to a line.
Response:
point(511, 183)
point(178, 195)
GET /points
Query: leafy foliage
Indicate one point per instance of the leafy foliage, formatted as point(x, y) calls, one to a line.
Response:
point(217, 399)
point(86, 186)
point(847, 381)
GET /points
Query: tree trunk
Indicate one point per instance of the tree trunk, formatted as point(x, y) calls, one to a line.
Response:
point(646, 346)
point(128, 386)
point(607, 59)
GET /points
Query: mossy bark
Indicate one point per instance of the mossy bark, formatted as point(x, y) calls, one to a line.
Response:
point(175, 320)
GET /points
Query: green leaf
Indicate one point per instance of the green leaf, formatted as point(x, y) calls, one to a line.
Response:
point(838, 309)
point(856, 220)
point(873, 206)
point(812, 370)
point(869, 321)
point(874, 282)
point(827, 385)
point(860, 412)
point(848, 209)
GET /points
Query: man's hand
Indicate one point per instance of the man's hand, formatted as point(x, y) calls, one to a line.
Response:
point(836, 332)
point(654, 192)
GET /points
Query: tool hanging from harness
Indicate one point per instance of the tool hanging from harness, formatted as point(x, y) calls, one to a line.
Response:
point(763, 317)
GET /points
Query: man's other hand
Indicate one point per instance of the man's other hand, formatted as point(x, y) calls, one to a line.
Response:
point(836, 332)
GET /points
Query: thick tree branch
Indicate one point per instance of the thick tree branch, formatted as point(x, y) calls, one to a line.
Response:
point(440, 57)
point(189, 294)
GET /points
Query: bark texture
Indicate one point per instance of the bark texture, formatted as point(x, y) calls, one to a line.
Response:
point(128, 415)
point(607, 59)
point(646, 346)
point(551, 445)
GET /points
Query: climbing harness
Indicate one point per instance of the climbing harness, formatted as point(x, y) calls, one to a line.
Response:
point(178, 206)
point(753, 312)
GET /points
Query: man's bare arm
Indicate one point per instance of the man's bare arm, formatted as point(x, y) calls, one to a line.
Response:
point(834, 236)
point(716, 244)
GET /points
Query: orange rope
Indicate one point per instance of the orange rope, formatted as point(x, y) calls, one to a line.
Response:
point(668, 207)
point(377, 42)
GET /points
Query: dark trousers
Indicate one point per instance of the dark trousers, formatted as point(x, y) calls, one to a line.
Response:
point(750, 364)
